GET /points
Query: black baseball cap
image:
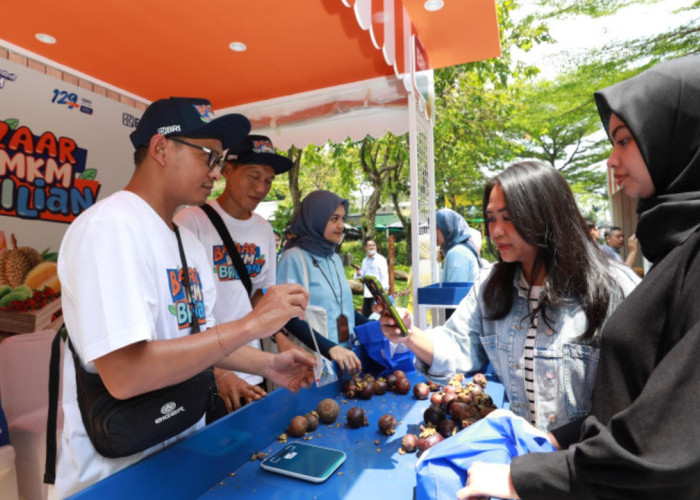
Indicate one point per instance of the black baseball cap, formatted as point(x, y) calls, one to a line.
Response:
point(189, 117)
point(258, 150)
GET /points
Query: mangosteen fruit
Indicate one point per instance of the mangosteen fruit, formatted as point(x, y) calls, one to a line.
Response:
point(447, 400)
point(409, 443)
point(351, 391)
point(469, 421)
point(298, 426)
point(447, 427)
point(402, 386)
point(399, 374)
point(391, 381)
point(485, 410)
point(433, 415)
point(387, 424)
point(429, 441)
point(356, 417)
point(433, 386)
point(367, 391)
point(380, 386)
point(479, 379)
point(312, 420)
point(436, 398)
point(421, 390)
point(328, 410)
point(457, 408)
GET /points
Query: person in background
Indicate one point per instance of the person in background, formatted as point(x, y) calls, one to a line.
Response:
point(125, 298)
point(310, 260)
point(251, 166)
point(278, 245)
point(461, 259)
point(374, 264)
point(614, 240)
point(536, 314)
point(641, 438)
point(613, 243)
point(593, 231)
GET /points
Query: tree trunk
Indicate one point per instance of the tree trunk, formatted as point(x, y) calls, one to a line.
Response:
point(294, 154)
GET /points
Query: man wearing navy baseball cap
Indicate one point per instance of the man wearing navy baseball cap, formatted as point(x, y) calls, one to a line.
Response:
point(135, 287)
point(251, 166)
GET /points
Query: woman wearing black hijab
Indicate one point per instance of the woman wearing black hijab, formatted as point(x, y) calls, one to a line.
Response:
point(642, 439)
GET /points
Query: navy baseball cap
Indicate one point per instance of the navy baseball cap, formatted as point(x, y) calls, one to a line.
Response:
point(189, 117)
point(258, 150)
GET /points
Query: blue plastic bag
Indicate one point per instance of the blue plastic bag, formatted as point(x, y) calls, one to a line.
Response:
point(378, 348)
point(442, 470)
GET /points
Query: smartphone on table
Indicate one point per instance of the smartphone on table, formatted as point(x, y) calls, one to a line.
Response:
point(305, 461)
point(381, 297)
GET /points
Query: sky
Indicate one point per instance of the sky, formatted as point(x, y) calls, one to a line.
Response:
point(578, 33)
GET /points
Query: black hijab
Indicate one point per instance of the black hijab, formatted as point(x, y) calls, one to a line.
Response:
point(661, 108)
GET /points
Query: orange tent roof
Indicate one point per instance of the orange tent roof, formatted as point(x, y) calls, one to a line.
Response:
point(155, 48)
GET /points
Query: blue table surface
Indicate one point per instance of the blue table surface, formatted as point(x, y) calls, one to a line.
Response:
point(215, 463)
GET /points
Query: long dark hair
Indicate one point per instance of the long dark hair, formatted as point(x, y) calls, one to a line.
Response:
point(543, 210)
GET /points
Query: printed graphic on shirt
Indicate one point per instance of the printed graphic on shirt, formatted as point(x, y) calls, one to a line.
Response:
point(250, 254)
point(181, 307)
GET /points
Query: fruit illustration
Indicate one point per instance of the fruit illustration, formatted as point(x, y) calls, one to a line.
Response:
point(15, 265)
point(42, 275)
point(19, 295)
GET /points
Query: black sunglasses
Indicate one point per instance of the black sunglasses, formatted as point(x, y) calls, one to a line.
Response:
point(214, 160)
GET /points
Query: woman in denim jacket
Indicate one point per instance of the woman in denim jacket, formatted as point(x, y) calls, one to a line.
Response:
point(536, 314)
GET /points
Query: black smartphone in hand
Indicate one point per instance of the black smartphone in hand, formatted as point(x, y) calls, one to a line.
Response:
point(381, 297)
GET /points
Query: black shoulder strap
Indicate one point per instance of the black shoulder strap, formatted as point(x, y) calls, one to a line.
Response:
point(54, 376)
point(238, 264)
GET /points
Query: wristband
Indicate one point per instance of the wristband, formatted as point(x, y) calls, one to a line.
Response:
point(221, 343)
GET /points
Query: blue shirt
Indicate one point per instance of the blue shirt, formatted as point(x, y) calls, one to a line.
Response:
point(611, 252)
point(460, 265)
point(564, 367)
point(324, 280)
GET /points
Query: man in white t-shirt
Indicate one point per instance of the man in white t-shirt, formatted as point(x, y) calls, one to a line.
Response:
point(374, 264)
point(251, 166)
point(123, 293)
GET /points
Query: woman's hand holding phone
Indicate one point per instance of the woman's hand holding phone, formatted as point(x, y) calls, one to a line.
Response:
point(390, 327)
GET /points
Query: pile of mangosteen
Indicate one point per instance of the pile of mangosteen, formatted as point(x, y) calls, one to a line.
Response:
point(365, 386)
point(455, 406)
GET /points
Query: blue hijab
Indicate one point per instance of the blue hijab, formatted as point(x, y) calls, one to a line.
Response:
point(454, 229)
point(310, 222)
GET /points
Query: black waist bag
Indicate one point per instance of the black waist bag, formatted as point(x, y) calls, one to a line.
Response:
point(122, 427)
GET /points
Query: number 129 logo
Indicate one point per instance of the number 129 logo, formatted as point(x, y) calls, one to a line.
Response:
point(70, 99)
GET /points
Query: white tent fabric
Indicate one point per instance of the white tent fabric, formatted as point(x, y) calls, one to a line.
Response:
point(353, 110)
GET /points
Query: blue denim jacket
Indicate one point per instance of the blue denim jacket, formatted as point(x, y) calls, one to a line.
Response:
point(565, 369)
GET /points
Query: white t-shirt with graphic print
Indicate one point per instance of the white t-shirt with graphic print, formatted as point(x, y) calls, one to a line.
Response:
point(255, 241)
point(120, 272)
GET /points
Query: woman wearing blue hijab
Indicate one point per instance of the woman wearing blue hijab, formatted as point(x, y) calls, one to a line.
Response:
point(310, 260)
point(461, 263)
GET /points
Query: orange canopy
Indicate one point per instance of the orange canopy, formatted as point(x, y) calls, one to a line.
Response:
point(156, 48)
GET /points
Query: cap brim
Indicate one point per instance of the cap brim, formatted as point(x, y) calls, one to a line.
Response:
point(229, 129)
point(279, 163)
